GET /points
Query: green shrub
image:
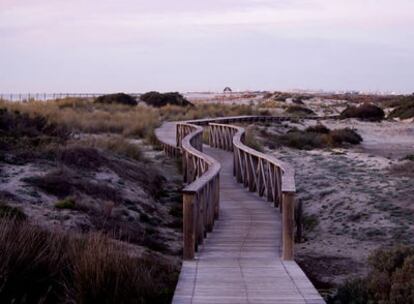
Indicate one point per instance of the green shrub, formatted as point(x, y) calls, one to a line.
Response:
point(390, 281)
point(118, 98)
point(366, 111)
point(158, 100)
point(352, 292)
point(66, 203)
point(7, 211)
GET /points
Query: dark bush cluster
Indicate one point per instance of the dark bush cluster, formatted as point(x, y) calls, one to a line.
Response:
point(118, 98)
point(157, 99)
point(318, 136)
point(16, 125)
point(390, 281)
point(366, 111)
point(37, 266)
point(24, 137)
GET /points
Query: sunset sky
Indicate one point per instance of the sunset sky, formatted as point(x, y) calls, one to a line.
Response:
point(193, 45)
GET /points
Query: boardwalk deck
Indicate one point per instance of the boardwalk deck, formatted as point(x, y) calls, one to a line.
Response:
point(240, 260)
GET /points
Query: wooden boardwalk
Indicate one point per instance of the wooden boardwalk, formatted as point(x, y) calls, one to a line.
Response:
point(240, 260)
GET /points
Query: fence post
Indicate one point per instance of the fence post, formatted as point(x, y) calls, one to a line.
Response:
point(288, 223)
point(188, 226)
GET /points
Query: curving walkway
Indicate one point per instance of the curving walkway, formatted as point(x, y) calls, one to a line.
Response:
point(239, 261)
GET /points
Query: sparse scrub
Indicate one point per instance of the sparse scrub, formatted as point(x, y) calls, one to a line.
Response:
point(250, 139)
point(116, 144)
point(299, 111)
point(366, 111)
point(37, 266)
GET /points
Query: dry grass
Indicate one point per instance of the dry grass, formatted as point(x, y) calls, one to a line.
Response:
point(205, 110)
point(82, 115)
point(114, 143)
point(42, 267)
point(250, 138)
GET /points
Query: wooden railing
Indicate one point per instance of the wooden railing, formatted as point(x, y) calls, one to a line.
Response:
point(260, 173)
point(202, 195)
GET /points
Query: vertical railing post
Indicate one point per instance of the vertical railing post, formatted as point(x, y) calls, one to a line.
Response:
point(189, 236)
point(288, 223)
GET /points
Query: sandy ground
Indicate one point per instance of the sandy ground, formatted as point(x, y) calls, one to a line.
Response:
point(153, 216)
point(353, 203)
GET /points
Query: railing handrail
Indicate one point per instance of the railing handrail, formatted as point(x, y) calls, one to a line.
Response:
point(213, 165)
point(288, 176)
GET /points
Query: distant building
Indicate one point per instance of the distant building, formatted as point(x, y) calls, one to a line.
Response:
point(227, 90)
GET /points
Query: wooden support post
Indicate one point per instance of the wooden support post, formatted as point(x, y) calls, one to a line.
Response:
point(216, 191)
point(188, 226)
point(288, 223)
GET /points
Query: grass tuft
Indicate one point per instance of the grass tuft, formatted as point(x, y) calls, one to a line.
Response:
point(66, 203)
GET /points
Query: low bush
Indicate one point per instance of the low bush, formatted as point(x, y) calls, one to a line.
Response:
point(301, 140)
point(314, 137)
point(80, 156)
point(66, 203)
point(346, 135)
point(391, 279)
point(404, 109)
point(409, 157)
point(299, 111)
point(38, 266)
point(366, 111)
point(158, 100)
point(319, 128)
point(10, 212)
point(28, 132)
point(118, 98)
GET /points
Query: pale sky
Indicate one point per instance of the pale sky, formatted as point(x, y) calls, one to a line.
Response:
point(200, 45)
